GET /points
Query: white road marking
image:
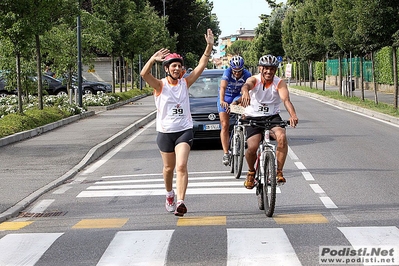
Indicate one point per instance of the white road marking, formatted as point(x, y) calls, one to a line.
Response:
point(300, 165)
point(308, 176)
point(317, 189)
point(25, 249)
point(161, 192)
point(259, 246)
point(137, 248)
point(41, 206)
point(328, 203)
point(372, 236)
point(160, 174)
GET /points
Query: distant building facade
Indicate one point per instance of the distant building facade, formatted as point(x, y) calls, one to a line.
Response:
point(227, 41)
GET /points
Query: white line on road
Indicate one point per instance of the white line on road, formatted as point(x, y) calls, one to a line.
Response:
point(137, 248)
point(25, 249)
point(161, 192)
point(259, 246)
point(41, 206)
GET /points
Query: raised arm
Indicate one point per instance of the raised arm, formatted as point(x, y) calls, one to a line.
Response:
point(146, 71)
point(194, 75)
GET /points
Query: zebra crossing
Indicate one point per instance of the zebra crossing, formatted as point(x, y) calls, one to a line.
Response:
point(245, 246)
point(152, 185)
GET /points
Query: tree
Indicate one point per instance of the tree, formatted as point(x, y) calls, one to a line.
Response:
point(189, 19)
point(238, 47)
point(15, 29)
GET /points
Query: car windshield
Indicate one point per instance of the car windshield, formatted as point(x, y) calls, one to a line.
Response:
point(205, 86)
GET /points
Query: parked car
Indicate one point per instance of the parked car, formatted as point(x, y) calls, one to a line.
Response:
point(3, 91)
point(53, 86)
point(90, 87)
point(203, 105)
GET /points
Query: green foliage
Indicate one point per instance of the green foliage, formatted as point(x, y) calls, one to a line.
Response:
point(15, 123)
point(383, 66)
point(238, 47)
point(56, 108)
point(318, 70)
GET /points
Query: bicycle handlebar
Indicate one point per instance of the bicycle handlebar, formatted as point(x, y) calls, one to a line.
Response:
point(264, 123)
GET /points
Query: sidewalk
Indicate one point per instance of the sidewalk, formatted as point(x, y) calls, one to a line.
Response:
point(33, 166)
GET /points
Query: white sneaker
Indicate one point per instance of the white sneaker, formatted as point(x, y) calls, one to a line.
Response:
point(226, 159)
point(181, 209)
point(170, 204)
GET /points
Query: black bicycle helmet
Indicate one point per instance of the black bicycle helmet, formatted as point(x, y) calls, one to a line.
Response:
point(268, 61)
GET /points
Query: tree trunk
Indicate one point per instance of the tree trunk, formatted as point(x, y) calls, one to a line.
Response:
point(19, 85)
point(39, 73)
point(310, 74)
point(340, 75)
point(113, 73)
point(374, 83)
point(120, 71)
point(132, 73)
point(361, 78)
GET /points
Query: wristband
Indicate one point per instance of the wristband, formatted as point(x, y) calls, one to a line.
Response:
point(207, 55)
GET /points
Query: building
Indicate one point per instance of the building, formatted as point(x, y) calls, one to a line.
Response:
point(241, 34)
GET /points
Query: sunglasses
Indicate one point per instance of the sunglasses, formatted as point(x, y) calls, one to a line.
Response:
point(237, 71)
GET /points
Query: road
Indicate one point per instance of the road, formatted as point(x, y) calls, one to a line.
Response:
point(341, 190)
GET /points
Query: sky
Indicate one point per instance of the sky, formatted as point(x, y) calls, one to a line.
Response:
point(236, 14)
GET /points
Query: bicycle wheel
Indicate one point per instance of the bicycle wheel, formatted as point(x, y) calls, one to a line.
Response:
point(269, 184)
point(231, 147)
point(238, 157)
point(259, 187)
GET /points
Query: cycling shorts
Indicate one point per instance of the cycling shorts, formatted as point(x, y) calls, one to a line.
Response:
point(252, 130)
point(167, 141)
point(229, 100)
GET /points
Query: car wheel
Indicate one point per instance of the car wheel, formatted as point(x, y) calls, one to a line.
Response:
point(62, 93)
point(3, 94)
point(88, 91)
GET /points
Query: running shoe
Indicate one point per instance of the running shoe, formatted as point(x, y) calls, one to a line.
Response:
point(181, 209)
point(226, 159)
point(170, 203)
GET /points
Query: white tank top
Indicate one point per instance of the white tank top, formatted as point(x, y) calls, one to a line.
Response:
point(173, 107)
point(264, 101)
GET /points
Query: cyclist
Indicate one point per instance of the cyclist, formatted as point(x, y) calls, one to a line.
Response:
point(261, 97)
point(174, 123)
point(229, 91)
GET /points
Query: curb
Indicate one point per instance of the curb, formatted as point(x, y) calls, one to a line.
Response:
point(351, 107)
point(42, 129)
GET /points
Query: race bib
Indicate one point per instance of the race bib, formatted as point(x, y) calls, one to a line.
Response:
point(264, 109)
point(175, 110)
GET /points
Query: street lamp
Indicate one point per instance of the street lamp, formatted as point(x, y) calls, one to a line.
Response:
point(163, 9)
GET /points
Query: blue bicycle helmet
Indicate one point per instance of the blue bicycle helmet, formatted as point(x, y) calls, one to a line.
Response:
point(237, 63)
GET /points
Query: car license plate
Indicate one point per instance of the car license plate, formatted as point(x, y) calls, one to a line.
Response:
point(212, 127)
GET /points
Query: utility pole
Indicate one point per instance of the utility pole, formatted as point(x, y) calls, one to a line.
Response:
point(79, 44)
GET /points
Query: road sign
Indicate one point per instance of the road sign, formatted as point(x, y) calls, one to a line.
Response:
point(280, 58)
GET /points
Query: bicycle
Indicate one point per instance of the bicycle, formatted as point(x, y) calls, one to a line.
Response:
point(237, 143)
point(265, 166)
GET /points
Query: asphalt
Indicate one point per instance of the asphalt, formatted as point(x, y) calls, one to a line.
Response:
point(36, 161)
